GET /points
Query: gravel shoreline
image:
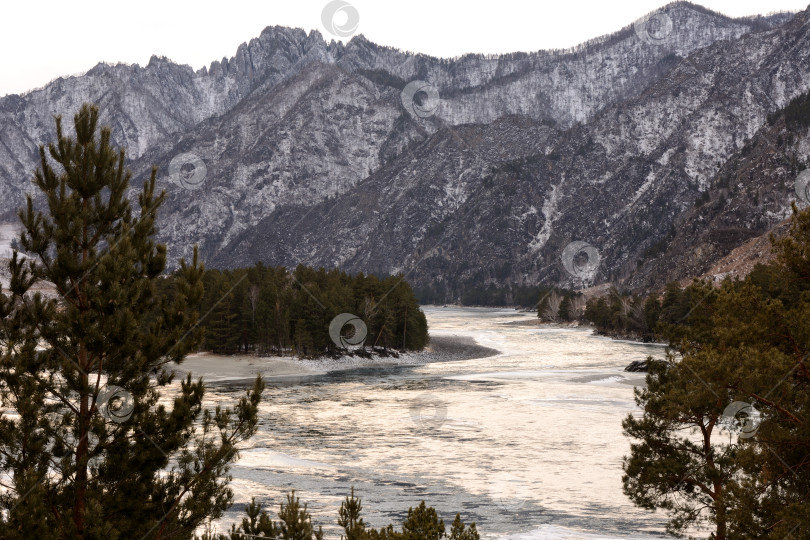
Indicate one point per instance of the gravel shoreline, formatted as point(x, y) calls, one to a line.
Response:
point(220, 368)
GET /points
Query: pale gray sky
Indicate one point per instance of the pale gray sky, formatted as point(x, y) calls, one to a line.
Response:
point(45, 39)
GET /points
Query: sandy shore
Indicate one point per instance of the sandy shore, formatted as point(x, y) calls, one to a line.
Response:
point(220, 368)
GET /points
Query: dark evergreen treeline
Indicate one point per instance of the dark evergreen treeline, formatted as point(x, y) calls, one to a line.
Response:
point(657, 317)
point(270, 310)
point(521, 296)
point(663, 317)
point(508, 295)
point(652, 318)
point(491, 295)
point(295, 523)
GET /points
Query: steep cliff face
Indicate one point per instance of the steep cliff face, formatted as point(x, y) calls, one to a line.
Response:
point(749, 196)
point(312, 155)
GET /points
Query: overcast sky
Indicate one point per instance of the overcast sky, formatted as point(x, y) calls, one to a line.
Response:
point(49, 38)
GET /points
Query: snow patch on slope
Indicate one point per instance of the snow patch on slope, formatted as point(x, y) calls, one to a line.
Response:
point(550, 212)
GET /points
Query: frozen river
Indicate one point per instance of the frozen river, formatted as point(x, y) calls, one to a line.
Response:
point(527, 443)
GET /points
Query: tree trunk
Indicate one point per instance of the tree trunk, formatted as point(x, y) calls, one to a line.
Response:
point(405, 330)
point(81, 451)
point(720, 511)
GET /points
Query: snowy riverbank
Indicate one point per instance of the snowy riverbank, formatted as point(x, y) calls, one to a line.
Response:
point(220, 368)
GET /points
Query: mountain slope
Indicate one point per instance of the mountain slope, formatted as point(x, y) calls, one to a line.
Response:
point(749, 196)
point(502, 207)
point(312, 157)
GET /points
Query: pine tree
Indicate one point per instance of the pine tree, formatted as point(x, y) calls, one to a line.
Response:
point(669, 468)
point(296, 523)
point(746, 342)
point(458, 531)
point(422, 523)
point(256, 524)
point(91, 453)
point(350, 520)
point(222, 323)
point(564, 311)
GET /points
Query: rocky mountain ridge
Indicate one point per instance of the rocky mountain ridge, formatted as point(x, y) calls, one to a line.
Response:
point(312, 155)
